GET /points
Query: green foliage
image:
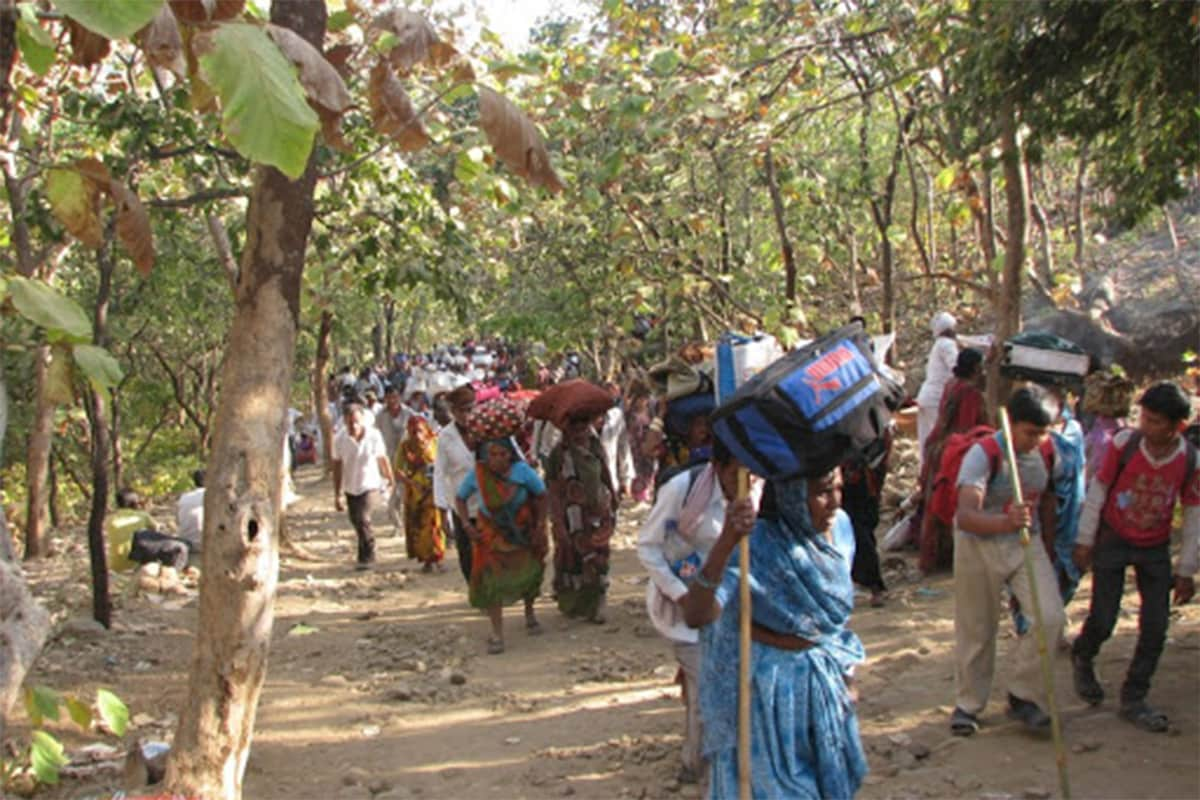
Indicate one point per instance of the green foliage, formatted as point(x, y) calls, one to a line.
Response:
point(263, 109)
point(37, 46)
point(46, 756)
point(115, 19)
point(113, 713)
point(43, 306)
point(98, 366)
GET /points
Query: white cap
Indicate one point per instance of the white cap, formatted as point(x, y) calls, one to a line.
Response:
point(942, 321)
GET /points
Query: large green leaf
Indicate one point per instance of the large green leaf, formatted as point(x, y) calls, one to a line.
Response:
point(98, 365)
point(46, 756)
point(41, 703)
point(116, 19)
point(80, 712)
point(113, 712)
point(264, 111)
point(43, 306)
point(37, 46)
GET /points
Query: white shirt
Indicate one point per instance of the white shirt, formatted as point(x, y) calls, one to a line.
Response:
point(392, 428)
point(454, 460)
point(660, 545)
point(939, 369)
point(614, 439)
point(360, 460)
point(189, 516)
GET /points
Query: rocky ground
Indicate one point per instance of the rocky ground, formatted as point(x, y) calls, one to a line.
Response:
point(379, 689)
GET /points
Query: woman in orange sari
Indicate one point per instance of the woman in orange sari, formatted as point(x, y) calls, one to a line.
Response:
point(508, 535)
point(423, 537)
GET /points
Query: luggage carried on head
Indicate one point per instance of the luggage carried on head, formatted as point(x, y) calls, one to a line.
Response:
point(574, 398)
point(740, 358)
point(1108, 394)
point(811, 410)
point(497, 418)
point(1044, 358)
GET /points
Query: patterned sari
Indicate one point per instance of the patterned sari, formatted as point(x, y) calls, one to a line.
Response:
point(583, 508)
point(423, 536)
point(508, 561)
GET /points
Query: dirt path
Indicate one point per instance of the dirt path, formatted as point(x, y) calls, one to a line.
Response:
point(379, 687)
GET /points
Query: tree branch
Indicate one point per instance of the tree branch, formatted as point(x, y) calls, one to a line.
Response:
point(196, 199)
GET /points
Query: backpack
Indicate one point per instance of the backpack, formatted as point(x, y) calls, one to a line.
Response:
point(943, 499)
point(810, 410)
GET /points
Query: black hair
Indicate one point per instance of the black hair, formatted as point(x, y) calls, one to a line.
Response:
point(351, 407)
point(1032, 404)
point(968, 362)
point(721, 454)
point(1168, 399)
point(128, 498)
point(860, 319)
point(198, 478)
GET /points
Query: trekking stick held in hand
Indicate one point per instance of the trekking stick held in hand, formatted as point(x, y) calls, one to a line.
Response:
point(1060, 750)
point(744, 771)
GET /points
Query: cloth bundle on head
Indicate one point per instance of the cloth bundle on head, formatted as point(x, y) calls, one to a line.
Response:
point(462, 396)
point(678, 377)
point(497, 418)
point(942, 321)
point(574, 398)
point(1108, 394)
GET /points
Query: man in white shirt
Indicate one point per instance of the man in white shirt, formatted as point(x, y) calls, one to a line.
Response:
point(189, 513)
point(392, 420)
point(455, 459)
point(361, 469)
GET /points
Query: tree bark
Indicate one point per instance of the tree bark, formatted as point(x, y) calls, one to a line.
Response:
point(37, 459)
point(389, 330)
point(23, 628)
point(320, 383)
point(1016, 199)
point(242, 499)
point(785, 244)
point(101, 445)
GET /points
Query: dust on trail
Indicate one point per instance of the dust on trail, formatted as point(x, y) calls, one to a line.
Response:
point(378, 687)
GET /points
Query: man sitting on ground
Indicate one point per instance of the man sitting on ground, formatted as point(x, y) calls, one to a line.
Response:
point(132, 538)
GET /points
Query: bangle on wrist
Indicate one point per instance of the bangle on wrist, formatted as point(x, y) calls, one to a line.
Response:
point(700, 580)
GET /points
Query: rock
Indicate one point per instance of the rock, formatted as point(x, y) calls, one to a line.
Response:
point(379, 786)
point(371, 731)
point(402, 693)
point(83, 627)
point(1086, 746)
point(355, 793)
point(900, 739)
point(1036, 793)
point(904, 759)
point(567, 790)
point(355, 776)
point(457, 678)
point(918, 750)
point(335, 681)
point(510, 740)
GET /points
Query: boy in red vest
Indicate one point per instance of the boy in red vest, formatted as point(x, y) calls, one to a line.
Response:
point(1126, 521)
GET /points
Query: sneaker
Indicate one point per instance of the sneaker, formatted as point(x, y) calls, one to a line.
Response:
point(1086, 686)
point(1028, 714)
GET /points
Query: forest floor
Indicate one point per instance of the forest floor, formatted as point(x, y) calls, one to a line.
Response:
point(379, 687)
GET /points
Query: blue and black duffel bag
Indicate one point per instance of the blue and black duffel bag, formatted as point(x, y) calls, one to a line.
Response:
point(811, 410)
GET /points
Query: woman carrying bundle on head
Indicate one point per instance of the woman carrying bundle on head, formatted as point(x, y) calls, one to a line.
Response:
point(508, 534)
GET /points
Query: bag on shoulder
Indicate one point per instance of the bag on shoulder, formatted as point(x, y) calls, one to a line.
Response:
point(810, 410)
point(943, 502)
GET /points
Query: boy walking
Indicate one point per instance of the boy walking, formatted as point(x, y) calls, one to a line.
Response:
point(988, 555)
point(362, 470)
point(1126, 521)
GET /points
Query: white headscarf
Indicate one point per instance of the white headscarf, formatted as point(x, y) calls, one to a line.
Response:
point(942, 321)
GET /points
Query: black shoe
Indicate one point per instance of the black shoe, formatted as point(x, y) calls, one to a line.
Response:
point(1086, 686)
point(963, 723)
point(1028, 714)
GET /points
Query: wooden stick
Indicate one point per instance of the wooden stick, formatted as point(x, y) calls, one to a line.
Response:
point(1060, 749)
point(744, 769)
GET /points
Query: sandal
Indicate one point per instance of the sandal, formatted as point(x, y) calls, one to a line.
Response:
point(963, 724)
point(1142, 715)
point(533, 627)
point(495, 646)
point(1086, 686)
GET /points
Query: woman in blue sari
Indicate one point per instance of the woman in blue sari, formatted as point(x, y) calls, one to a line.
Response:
point(804, 729)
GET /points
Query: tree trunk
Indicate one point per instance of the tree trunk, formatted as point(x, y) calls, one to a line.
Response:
point(52, 495)
point(1016, 198)
point(242, 499)
point(37, 460)
point(320, 383)
point(23, 628)
point(118, 454)
point(101, 447)
point(785, 244)
point(389, 330)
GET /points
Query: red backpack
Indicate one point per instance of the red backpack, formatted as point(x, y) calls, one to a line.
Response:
point(943, 501)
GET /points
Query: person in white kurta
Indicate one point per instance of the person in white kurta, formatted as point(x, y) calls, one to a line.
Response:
point(674, 541)
point(614, 441)
point(454, 460)
point(939, 369)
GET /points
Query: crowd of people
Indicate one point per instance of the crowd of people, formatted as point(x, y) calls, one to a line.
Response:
point(464, 457)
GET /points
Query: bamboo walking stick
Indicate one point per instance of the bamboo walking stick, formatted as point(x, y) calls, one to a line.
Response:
point(744, 770)
point(1060, 750)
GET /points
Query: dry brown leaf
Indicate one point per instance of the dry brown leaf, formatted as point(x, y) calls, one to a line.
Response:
point(417, 41)
point(162, 43)
point(133, 227)
point(200, 94)
point(339, 57)
point(516, 140)
point(194, 11)
point(461, 70)
point(331, 130)
point(392, 111)
point(95, 171)
point(320, 80)
point(87, 48)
